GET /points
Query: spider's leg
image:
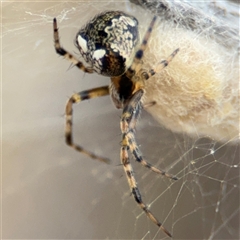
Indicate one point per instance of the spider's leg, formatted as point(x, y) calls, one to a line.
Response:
point(135, 191)
point(164, 63)
point(149, 104)
point(139, 158)
point(61, 51)
point(139, 54)
point(76, 98)
point(129, 119)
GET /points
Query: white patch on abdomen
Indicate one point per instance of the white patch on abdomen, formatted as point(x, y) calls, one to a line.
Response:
point(82, 43)
point(98, 54)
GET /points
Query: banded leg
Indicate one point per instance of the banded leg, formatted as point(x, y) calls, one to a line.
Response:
point(149, 104)
point(129, 118)
point(139, 158)
point(130, 115)
point(76, 98)
point(139, 54)
point(61, 51)
point(135, 191)
point(164, 63)
point(136, 65)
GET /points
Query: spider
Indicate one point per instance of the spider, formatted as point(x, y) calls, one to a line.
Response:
point(109, 44)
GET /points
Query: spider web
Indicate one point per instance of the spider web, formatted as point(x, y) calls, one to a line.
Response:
point(50, 192)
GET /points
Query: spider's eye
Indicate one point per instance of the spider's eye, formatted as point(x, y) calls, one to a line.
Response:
point(108, 42)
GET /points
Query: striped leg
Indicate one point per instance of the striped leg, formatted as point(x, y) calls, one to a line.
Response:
point(76, 98)
point(129, 118)
point(135, 191)
point(136, 65)
point(139, 54)
point(61, 51)
point(138, 156)
point(149, 104)
point(161, 65)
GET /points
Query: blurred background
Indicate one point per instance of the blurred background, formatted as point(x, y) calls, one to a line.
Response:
point(50, 191)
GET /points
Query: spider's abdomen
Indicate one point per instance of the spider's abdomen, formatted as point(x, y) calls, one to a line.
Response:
point(108, 41)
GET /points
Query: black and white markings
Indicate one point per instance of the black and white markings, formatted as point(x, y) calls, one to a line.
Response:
point(108, 42)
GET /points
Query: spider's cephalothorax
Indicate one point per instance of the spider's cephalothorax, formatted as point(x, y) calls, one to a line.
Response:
point(109, 43)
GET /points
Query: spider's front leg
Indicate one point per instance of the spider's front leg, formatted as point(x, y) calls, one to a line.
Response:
point(61, 51)
point(76, 98)
point(129, 118)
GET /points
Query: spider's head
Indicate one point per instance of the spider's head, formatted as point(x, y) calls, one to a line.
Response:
point(108, 42)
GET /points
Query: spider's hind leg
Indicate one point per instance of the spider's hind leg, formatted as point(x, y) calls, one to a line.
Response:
point(76, 98)
point(131, 112)
point(135, 191)
point(139, 158)
point(149, 104)
point(164, 63)
point(129, 119)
